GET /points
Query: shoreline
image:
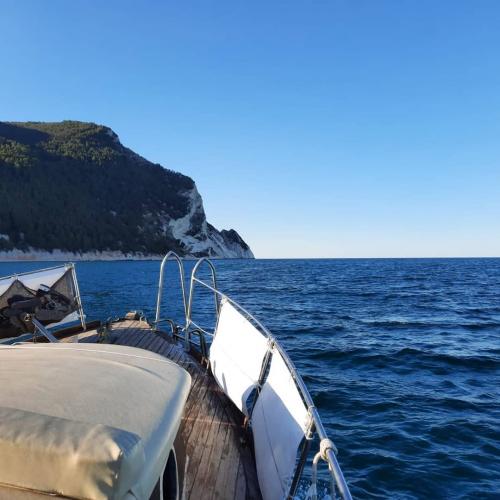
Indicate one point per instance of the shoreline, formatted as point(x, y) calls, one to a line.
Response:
point(57, 255)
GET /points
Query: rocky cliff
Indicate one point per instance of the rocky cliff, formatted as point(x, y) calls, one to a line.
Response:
point(71, 189)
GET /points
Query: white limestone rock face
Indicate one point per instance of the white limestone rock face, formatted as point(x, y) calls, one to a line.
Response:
point(191, 235)
point(199, 238)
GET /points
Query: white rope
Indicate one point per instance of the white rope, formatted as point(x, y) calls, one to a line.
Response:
point(325, 445)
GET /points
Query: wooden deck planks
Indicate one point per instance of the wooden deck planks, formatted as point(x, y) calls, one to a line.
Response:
point(220, 465)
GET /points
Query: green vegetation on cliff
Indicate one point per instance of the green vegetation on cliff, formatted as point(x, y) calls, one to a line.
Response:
point(74, 187)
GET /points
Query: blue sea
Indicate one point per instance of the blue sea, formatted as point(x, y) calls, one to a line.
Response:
point(401, 356)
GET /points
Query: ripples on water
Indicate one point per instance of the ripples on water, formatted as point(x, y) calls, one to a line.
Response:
point(402, 357)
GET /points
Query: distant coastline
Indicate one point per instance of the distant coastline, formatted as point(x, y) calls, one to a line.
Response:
point(33, 255)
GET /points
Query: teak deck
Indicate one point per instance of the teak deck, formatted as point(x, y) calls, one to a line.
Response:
point(219, 463)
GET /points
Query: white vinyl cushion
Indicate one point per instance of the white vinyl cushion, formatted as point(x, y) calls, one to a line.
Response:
point(113, 410)
point(236, 355)
point(56, 449)
point(279, 423)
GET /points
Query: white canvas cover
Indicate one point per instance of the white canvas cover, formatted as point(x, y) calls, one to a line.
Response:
point(279, 423)
point(34, 279)
point(60, 306)
point(236, 355)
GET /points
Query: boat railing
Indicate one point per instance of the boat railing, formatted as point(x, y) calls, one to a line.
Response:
point(169, 256)
point(78, 297)
point(327, 450)
point(190, 323)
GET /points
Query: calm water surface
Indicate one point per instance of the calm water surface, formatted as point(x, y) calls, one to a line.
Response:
point(402, 357)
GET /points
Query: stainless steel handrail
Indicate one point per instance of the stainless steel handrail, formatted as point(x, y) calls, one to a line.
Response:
point(329, 454)
point(189, 320)
point(38, 326)
point(191, 288)
point(168, 256)
point(201, 328)
point(78, 296)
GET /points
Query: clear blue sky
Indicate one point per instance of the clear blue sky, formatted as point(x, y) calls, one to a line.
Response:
point(316, 129)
